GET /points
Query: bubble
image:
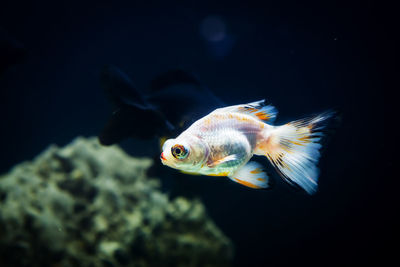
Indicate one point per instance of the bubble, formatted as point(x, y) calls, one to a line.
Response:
point(213, 29)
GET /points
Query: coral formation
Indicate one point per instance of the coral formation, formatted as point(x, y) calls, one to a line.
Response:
point(88, 205)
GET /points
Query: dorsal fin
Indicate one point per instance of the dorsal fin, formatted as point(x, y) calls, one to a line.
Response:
point(258, 109)
point(173, 77)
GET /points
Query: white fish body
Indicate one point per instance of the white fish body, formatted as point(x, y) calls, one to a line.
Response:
point(223, 142)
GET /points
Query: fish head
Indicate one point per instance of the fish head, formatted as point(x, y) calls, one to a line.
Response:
point(186, 153)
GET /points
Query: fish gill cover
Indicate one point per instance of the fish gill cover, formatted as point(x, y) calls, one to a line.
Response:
point(87, 205)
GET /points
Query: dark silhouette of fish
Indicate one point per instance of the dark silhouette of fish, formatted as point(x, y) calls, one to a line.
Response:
point(11, 51)
point(173, 100)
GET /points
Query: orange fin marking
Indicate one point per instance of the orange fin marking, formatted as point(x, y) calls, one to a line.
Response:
point(257, 109)
point(262, 115)
point(247, 183)
point(258, 170)
point(295, 143)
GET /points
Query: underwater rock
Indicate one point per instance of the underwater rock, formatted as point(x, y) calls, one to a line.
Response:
point(88, 205)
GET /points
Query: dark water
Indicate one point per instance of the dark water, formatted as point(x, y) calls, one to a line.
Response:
point(304, 58)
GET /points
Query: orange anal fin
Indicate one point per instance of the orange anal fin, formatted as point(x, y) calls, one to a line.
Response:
point(251, 175)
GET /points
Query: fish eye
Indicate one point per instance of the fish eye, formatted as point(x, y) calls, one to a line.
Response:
point(179, 151)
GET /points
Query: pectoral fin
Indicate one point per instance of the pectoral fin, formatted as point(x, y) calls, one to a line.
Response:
point(251, 175)
point(222, 160)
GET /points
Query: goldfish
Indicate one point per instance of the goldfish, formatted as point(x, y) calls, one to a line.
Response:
point(223, 142)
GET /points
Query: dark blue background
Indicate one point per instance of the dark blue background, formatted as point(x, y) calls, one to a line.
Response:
point(302, 57)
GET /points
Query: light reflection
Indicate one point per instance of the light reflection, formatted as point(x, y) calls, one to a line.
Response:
point(219, 42)
point(213, 29)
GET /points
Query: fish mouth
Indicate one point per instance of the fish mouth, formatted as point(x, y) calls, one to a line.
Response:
point(162, 157)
